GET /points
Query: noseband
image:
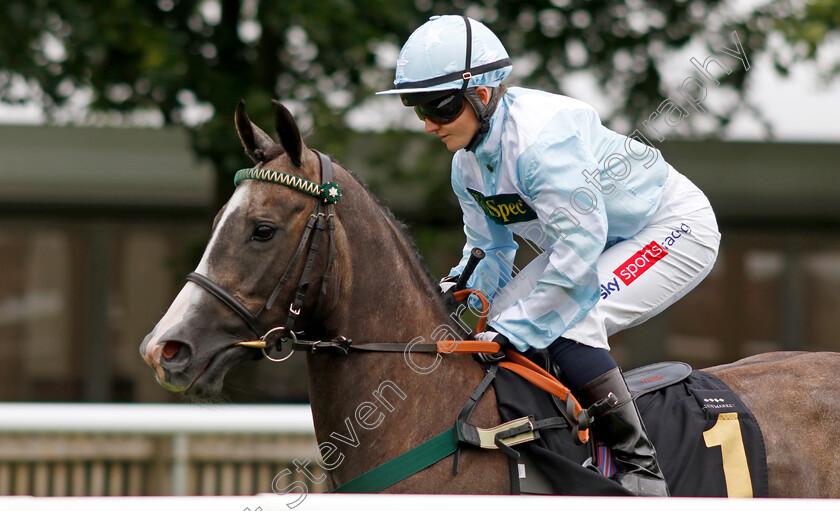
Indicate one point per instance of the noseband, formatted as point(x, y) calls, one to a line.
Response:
point(321, 223)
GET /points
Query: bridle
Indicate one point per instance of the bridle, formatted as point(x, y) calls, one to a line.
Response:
point(321, 224)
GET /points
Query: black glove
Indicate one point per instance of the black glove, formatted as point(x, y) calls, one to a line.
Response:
point(447, 289)
point(492, 336)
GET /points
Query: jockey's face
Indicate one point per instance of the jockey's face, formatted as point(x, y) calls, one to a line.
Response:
point(458, 133)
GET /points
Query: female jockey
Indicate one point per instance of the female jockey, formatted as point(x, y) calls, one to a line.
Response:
point(622, 235)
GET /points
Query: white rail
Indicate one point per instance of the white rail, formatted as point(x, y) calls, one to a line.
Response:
point(181, 423)
point(154, 419)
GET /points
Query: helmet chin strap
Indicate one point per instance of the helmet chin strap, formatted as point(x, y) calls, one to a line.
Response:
point(483, 112)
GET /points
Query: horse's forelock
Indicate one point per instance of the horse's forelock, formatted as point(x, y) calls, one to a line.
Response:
point(274, 152)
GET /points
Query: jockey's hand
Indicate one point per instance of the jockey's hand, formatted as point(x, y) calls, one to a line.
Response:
point(501, 340)
point(447, 289)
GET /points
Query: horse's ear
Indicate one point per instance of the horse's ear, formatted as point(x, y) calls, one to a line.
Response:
point(288, 132)
point(255, 140)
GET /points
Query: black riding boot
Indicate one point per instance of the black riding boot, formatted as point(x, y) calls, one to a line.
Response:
point(622, 430)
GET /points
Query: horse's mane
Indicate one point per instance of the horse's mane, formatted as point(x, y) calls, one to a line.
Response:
point(403, 230)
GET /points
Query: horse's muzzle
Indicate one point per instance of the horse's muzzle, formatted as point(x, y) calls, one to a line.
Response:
point(170, 360)
point(180, 367)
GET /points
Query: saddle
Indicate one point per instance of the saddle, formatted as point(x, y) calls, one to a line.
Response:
point(657, 376)
point(692, 418)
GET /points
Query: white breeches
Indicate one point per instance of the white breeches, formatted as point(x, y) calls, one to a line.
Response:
point(643, 275)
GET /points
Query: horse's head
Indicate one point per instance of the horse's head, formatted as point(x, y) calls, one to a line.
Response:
point(253, 266)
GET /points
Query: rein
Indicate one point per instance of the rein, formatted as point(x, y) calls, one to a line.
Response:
point(346, 345)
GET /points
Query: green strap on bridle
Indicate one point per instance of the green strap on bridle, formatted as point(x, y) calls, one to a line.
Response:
point(328, 192)
point(406, 464)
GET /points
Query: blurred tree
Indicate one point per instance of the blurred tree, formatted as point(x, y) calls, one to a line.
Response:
point(173, 57)
point(188, 62)
point(807, 27)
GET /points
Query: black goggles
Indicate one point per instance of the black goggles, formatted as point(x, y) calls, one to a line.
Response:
point(443, 110)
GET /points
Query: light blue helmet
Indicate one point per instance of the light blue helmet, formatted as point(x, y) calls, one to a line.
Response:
point(450, 52)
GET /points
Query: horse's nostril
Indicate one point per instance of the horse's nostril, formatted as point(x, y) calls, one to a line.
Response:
point(171, 349)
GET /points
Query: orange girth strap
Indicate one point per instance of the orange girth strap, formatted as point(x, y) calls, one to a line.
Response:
point(515, 362)
point(520, 365)
point(542, 379)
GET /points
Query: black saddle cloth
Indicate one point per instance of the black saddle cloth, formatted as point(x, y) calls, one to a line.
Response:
point(703, 447)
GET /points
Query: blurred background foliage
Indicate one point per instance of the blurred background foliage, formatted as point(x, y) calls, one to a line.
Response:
point(188, 62)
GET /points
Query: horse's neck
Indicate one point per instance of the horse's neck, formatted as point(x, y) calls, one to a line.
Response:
point(379, 402)
point(385, 288)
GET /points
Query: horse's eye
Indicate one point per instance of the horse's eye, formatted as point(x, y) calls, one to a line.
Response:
point(263, 232)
